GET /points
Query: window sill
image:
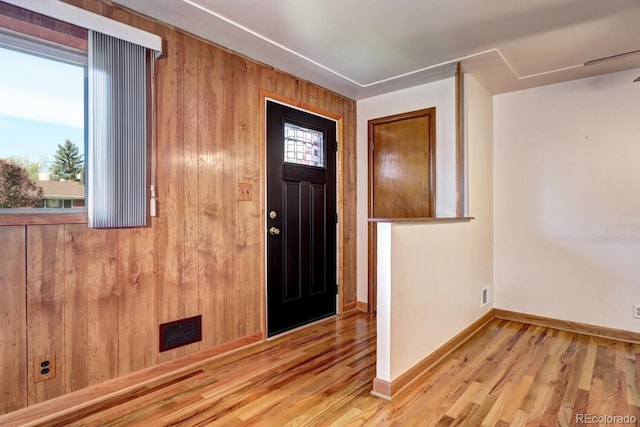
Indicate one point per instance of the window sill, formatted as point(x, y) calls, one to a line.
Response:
point(42, 216)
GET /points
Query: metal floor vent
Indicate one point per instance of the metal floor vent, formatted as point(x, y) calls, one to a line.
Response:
point(180, 332)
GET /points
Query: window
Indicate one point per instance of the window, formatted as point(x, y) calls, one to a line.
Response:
point(42, 126)
point(303, 146)
point(55, 203)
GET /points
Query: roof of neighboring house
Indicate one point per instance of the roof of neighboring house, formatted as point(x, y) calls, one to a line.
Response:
point(61, 189)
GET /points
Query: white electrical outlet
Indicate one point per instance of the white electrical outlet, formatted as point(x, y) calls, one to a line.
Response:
point(636, 311)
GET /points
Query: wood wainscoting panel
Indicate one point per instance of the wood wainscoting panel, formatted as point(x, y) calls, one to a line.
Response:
point(13, 319)
point(45, 306)
point(102, 305)
point(96, 297)
point(76, 293)
point(137, 305)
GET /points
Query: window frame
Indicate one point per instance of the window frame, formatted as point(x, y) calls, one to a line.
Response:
point(55, 47)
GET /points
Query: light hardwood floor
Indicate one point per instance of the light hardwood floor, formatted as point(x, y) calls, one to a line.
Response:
point(508, 374)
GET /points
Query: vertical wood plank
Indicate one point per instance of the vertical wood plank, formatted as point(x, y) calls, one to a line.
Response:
point(246, 134)
point(210, 190)
point(45, 307)
point(170, 186)
point(313, 95)
point(226, 251)
point(269, 80)
point(137, 302)
point(75, 307)
point(349, 227)
point(102, 305)
point(193, 50)
point(13, 319)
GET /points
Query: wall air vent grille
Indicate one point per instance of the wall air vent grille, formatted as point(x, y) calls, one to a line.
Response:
point(484, 296)
point(180, 332)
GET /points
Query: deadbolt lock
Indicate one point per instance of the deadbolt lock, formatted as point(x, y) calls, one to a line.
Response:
point(273, 215)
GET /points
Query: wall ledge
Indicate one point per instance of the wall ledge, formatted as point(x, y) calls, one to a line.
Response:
point(38, 217)
point(438, 220)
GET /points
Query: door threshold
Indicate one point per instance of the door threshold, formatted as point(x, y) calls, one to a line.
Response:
point(315, 322)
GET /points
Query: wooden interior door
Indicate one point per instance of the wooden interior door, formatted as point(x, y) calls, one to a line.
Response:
point(401, 175)
point(301, 218)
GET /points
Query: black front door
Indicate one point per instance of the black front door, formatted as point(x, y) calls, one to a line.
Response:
point(301, 215)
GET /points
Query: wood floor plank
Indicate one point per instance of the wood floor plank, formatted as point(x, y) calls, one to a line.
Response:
point(455, 410)
point(540, 393)
point(493, 417)
point(449, 382)
point(621, 405)
point(575, 374)
point(562, 378)
point(510, 374)
point(587, 369)
point(633, 390)
point(521, 419)
point(594, 396)
point(513, 405)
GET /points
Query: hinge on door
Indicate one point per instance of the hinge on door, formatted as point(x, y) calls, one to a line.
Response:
point(373, 146)
point(336, 146)
point(337, 288)
point(336, 218)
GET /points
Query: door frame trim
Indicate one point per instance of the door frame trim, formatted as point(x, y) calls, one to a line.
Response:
point(266, 95)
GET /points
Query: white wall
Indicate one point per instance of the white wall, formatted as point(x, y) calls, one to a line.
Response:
point(440, 94)
point(429, 287)
point(567, 200)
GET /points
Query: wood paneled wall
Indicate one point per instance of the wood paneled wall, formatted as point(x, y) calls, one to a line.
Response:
point(95, 297)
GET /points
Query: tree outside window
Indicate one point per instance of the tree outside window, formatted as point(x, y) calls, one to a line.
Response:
point(16, 189)
point(68, 163)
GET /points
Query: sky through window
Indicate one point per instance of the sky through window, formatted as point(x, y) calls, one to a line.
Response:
point(41, 106)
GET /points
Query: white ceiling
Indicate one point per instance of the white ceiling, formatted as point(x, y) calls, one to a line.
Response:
point(362, 48)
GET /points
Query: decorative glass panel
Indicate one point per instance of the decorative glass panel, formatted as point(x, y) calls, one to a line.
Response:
point(303, 146)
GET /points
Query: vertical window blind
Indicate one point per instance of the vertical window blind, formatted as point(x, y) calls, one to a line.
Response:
point(117, 146)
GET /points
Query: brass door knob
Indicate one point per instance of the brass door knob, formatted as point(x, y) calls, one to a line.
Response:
point(274, 231)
